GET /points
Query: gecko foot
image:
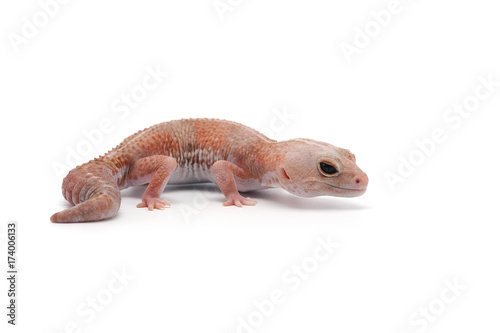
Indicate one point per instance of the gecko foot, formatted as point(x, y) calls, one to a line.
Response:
point(239, 201)
point(153, 203)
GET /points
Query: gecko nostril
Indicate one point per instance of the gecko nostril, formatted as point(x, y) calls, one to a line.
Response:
point(358, 181)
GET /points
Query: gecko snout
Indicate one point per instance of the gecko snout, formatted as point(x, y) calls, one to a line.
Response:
point(361, 180)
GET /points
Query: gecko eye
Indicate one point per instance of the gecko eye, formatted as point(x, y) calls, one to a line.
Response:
point(327, 169)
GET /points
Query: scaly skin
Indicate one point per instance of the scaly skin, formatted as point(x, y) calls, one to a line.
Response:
point(234, 156)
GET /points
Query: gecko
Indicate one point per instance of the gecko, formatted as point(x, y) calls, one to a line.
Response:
point(235, 157)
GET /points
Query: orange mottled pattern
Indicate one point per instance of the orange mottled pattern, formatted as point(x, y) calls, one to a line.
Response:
point(94, 186)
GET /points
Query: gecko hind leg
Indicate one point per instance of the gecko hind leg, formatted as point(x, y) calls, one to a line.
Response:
point(155, 170)
point(224, 173)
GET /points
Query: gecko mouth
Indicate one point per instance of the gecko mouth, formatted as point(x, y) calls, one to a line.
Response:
point(347, 189)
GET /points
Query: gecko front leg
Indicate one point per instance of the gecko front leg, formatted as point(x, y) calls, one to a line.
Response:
point(224, 173)
point(155, 170)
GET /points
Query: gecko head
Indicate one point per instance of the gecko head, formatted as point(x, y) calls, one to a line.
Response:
point(312, 168)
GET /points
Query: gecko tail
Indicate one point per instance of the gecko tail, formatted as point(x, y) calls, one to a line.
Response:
point(94, 192)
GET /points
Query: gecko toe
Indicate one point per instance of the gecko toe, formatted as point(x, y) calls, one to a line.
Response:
point(162, 205)
point(249, 202)
point(239, 201)
point(153, 203)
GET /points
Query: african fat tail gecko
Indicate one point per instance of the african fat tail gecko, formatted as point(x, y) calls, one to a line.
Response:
point(234, 156)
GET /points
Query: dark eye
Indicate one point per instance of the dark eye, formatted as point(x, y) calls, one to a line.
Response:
point(328, 168)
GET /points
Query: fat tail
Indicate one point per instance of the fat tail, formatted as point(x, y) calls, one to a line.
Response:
point(94, 192)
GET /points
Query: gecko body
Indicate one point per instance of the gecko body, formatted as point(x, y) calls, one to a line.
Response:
point(235, 157)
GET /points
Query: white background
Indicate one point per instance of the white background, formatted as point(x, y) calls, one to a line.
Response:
point(202, 270)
